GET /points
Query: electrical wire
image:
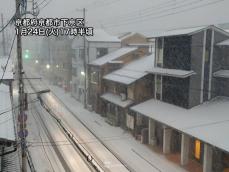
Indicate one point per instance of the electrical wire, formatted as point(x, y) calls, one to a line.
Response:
point(16, 107)
point(45, 5)
point(158, 11)
point(11, 19)
point(163, 5)
point(4, 27)
point(39, 133)
point(81, 143)
point(164, 15)
point(7, 120)
point(39, 4)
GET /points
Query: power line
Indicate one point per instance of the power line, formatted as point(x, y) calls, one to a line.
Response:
point(45, 5)
point(11, 19)
point(16, 107)
point(155, 7)
point(74, 141)
point(4, 27)
point(158, 11)
point(60, 143)
point(38, 127)
point(101, 3)
point(165, 15)
point(3, 122)
point(41, 2)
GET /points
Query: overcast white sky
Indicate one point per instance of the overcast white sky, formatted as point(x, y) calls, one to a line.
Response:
point(146, 16)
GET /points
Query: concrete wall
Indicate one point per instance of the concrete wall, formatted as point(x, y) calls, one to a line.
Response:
point(196, 65)
point(220, 61)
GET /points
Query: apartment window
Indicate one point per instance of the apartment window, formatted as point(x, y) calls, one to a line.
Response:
point(197, 149)
point(101, 52)
point(94, 77)
point(158, 87)
point(160, 48)
point(110, 108)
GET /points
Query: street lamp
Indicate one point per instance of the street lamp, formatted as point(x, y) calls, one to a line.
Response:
point(36, 61)
point(82, 73)
point(47, 66)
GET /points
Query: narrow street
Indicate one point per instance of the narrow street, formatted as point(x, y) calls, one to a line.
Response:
point(114, 86)
point(112, 151)
point(106, 159)
point(49, 147)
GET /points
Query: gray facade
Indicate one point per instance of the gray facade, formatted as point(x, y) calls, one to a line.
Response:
point(196, 52)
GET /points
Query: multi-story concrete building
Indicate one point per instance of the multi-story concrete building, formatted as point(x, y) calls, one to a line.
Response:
point(95, 47)
point(188, 115)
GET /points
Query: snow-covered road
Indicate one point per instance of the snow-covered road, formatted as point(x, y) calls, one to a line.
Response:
point(48, 145)
point(103, 156)
point(117, 147)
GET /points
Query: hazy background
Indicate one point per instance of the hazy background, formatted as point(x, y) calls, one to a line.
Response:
point(146, 16)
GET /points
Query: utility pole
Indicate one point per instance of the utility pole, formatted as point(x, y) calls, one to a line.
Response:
point(33, 6)
point(3, 37)
point(23, 132)
point(85, 62)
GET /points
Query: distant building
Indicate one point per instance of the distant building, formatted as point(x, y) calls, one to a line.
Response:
point(96, 46)
point(57, 53)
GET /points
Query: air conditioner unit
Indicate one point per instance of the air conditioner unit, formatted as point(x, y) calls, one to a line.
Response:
point(123, 96)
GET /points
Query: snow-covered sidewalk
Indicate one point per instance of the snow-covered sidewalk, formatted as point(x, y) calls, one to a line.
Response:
point(136, 155)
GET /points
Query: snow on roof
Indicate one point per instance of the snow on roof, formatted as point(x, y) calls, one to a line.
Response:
point(184, 31)
point(113, 56)
point(188, 31)
point(171, 72)
point(116, 99)
point(123, 36)
point(206, 122)
point(116, 62)
point(147, 44)
point(227, 30)
point(102, 36)
point(6, 119)
point(224, 43)
point(222, 74)
point(9, 71)
point(132, 71)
